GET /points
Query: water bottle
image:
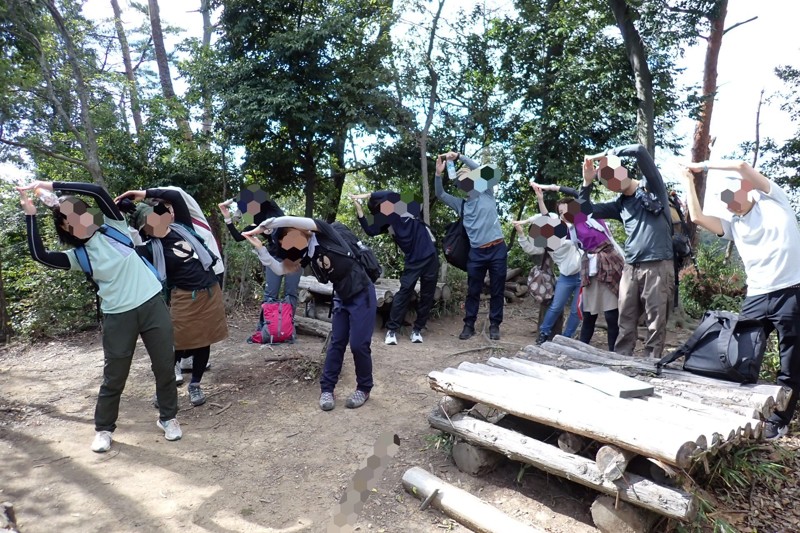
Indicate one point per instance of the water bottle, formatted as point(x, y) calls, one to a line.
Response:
point(49, 198)
point(451, 170)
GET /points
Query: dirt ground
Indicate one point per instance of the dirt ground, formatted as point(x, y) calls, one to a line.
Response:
point(259, 456)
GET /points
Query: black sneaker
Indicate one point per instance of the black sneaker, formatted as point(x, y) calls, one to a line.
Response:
point(542, 339)
point(775, 430)
point(494, 332)
point(467, 332)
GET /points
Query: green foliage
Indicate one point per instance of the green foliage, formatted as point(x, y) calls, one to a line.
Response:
point(771, 365)
point(440, 442)
point(713, 283)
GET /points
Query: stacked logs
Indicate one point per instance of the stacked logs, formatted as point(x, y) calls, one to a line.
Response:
point(678, 421)
point(516, 286)
point(318, 299)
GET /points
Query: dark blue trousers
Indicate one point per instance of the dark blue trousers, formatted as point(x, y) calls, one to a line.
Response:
point(426, 272)
point(494, 260)
point(780, 310)
point(353, 321)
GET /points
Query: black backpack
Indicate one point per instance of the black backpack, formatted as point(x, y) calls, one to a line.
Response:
point(681, 245)
point(455, 244)
point(359, 250)
point(724, 346)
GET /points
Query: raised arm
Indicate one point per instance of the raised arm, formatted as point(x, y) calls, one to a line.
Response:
point(284, 222)
point(58, 260)
point(652, 177)
point(175, 198)
point(101, 196)
point(748, 173)
point(696, 214)
point(453, 202)
point(601, 210)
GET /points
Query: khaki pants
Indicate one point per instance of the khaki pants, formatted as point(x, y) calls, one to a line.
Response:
point(645, 288)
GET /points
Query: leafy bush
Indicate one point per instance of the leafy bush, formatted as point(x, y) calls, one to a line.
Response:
point(713, 283)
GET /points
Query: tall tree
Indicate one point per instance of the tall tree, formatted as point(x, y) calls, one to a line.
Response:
point(164, 75)
point(133, 89)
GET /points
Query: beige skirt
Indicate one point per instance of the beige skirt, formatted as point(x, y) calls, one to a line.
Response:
point(598, 297)
point(198, 317)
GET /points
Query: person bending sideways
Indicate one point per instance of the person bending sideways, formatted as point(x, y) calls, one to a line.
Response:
point(764, 228)
point(313, 242)
point(130, 296)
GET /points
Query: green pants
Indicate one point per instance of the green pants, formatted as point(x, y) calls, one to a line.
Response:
point(120, 331)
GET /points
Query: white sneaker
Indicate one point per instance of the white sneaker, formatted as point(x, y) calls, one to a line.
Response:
point(391, 338)
point(101, 442)
point(416, 336)
point(187, 363)
point(172, 430)
point(178, 374)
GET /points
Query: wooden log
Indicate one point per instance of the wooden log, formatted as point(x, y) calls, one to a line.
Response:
point(637, 490)
point(586, 360)
point(460, 505)
point(610, 382)
point(588, 415)
point(572, 443)
point(780, 394)
point(311, 284)
point(323, 311)
point(474, 460)
point(450, 405)
point(311, 326)
point(303, 296)
point(510, 296)
point(445, 292)
point(512, 273)
point(612, 461)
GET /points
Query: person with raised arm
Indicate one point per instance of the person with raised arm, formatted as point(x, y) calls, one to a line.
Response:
point(316, 243)
point(648, 277)
point(764, 228)
point(182, 258)
point(130, 296)
point(421, 261)
point(488, 250)
point(601, 267)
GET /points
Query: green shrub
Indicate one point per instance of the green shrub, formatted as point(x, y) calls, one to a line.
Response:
point(713, 283)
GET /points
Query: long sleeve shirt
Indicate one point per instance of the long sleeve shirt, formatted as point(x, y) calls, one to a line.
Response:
point(649, 235)
point(480, 211)
point(411, 235)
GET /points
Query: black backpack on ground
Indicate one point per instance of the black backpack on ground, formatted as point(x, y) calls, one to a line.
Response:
point(363, 253)
point(724, 346)
point(455, 244)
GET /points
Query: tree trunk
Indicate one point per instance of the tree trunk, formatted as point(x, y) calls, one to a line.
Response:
point(208, 112)
point(89, 139)
point(164, 74)
point(701, 147)
point(637, 56)
point(338, 176)
point(136, 110)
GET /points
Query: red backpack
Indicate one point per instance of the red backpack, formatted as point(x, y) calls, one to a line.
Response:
point(275, 325)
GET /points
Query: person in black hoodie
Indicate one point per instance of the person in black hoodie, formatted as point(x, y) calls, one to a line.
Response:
point(416, 241)
point(306, 241)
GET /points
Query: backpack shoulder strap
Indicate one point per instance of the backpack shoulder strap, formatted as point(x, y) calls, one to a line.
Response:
point(116, 234)
point(83, 260)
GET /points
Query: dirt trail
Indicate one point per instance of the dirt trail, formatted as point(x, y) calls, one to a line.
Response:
point(260, 456)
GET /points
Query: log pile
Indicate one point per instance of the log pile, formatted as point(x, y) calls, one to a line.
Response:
point(609, 412)
point(318, 297)
point(516, 285)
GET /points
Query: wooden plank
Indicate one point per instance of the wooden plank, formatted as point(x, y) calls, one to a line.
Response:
point(610, 382)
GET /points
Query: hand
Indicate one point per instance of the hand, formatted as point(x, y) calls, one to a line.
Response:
point(223, 208)
point(440, 165)
point(588, 169)
point(538, 191)
point(595, 157)
point(518, 226)
point(25, 201)
point(252, 239)
point(133, 195)
point(36, 184)
point(549, 187)
point(688, 176)
point(452, 156)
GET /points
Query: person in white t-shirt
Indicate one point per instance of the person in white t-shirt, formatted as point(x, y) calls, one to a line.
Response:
point(764, 229)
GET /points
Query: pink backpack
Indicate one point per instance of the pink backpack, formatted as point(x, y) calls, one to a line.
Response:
point(276, 324)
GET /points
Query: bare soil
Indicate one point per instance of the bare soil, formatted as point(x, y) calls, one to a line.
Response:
point(260, 455)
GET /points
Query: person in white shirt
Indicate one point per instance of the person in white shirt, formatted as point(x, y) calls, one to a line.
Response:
point(764, 229)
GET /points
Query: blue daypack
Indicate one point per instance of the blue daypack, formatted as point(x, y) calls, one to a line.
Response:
point(83, 256)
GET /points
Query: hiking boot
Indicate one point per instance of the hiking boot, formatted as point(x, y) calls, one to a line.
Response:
point(172, 430)
point(416, 336)
point(357, 399)
point(196, 395)
point(391, 338)
point(543, 338)
point(466, 333)
point(178, 374)
point(775, 430)
point(494, 332)
point(326, 402)
point(101, 442)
